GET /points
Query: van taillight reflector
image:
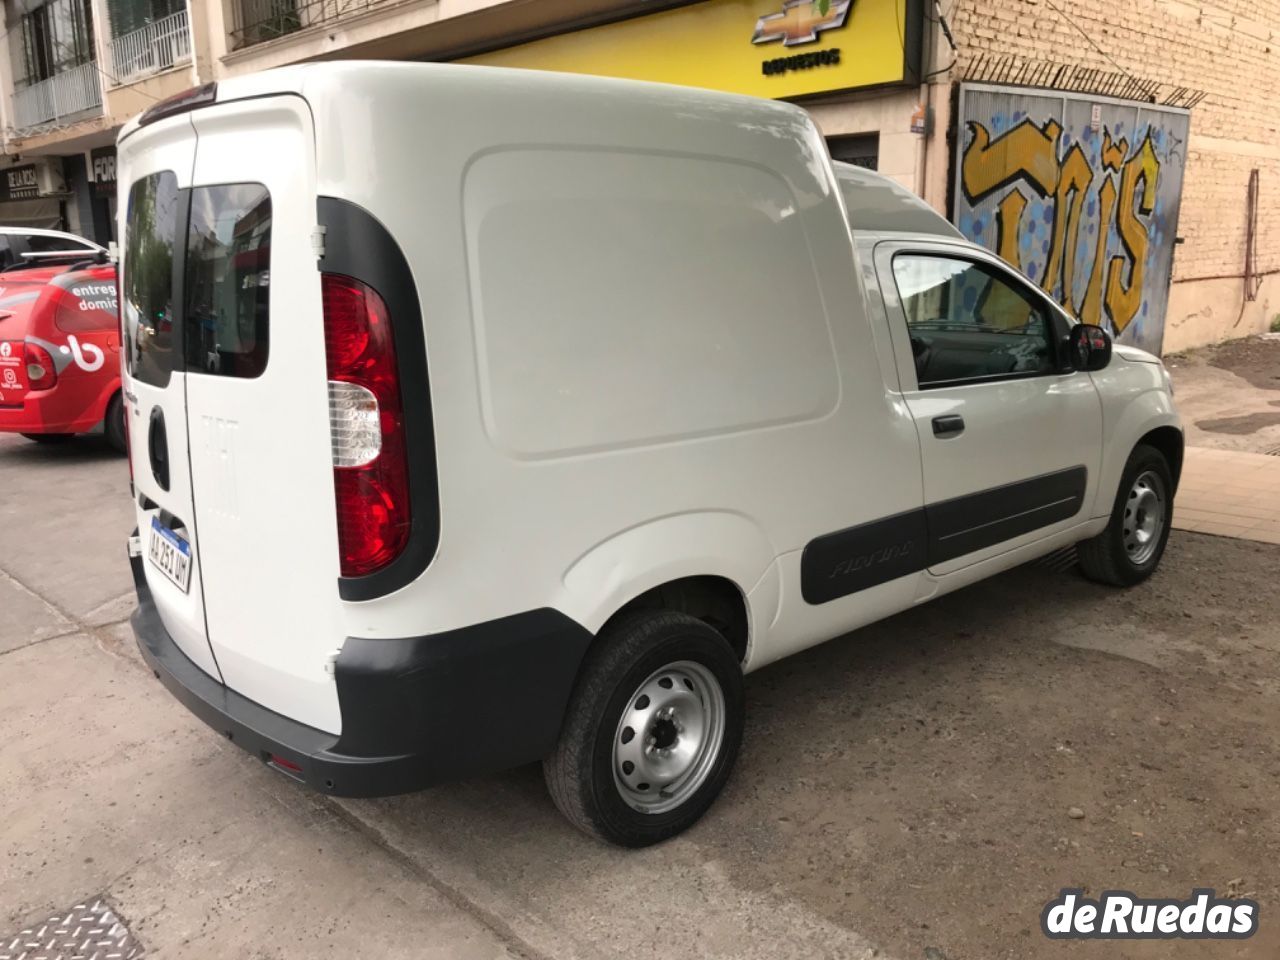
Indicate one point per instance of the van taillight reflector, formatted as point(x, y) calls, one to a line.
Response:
point(283, 764)
point(41, 374)
point(366, 426)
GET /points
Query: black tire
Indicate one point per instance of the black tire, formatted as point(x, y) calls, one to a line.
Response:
point(113, 424)
point(1105, 558)
point(580, 772)
point(49, 437)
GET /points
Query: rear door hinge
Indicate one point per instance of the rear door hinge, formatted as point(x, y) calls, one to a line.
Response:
point(317, 242)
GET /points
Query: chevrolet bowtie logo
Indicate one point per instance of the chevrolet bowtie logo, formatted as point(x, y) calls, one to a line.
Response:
point(801, 21)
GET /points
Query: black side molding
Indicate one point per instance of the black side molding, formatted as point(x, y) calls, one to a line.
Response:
point(844, 562)
point(838, 564)
point(357, 245)
point(980, 520)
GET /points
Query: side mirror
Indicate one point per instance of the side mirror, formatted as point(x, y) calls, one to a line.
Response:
point(1089, 347)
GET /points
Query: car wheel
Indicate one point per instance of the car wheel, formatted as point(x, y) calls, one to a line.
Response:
point(49, 437)
point(651, 732)
point(1129, 549)
point(113, 424)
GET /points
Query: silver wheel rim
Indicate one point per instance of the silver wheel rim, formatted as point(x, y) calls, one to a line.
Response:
point(669, 737)
point(1143, 521)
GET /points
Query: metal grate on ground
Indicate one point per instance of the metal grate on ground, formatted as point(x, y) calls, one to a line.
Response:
point(87, 931)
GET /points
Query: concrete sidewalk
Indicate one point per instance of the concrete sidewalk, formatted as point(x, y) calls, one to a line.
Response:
point(1229, 493)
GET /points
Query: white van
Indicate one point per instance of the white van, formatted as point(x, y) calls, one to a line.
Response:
point(482, 417)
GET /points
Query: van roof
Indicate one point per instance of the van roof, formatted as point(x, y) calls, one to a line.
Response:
point(308, 78)
point(878, 204)
point(875, 203)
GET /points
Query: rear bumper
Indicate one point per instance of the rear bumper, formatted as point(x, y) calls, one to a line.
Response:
point(415, 711)
point(55, 410)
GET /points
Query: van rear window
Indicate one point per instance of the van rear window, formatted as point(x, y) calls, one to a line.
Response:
point(150, 235)
point(228, 280)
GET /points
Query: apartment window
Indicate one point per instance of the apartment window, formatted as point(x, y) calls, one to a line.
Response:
point(129, 15)
point(261, 20)
point(55, 38)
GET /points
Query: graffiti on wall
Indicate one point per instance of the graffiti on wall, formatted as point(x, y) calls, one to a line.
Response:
point(1080, 196)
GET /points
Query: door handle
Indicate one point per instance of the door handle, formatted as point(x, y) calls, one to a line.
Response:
point(952, 425)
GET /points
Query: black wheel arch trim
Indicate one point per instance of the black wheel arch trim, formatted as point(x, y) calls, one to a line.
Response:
point(357, 245)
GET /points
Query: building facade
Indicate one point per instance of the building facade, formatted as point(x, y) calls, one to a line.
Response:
point(1124, 155)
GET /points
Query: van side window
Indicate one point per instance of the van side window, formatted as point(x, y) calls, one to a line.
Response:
point(966, 323)
point(228, 280)
point(150, 233)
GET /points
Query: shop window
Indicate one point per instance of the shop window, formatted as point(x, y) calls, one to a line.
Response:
point(859, 149)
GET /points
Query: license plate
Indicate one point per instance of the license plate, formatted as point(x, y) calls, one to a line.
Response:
point(171, 554)
point(13, 373)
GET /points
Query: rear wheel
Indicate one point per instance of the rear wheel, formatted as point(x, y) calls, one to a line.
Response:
point(651, 732)
point(49, 437)
point(1129, 549)
point(113, 423)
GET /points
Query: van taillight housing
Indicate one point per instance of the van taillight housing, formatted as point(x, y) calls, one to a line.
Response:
point(366, 424)
point(41, 373)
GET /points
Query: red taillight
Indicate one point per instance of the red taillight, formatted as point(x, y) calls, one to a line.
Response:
point(370, 469)
point(41, 374)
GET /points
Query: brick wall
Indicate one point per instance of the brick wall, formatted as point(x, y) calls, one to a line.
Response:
point(1230, 50)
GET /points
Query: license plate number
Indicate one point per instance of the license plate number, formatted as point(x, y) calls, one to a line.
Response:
point(170, 554)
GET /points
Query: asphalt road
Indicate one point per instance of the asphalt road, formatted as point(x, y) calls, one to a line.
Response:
point(903, 792)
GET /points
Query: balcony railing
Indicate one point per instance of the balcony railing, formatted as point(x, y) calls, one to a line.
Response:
point(150, 49)
point(63, 95)
point(257, 21)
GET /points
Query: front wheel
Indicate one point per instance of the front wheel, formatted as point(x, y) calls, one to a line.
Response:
point(1129, 549)
point(651, 732)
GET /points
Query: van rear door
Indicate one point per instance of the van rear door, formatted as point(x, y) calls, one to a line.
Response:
point(158, 161)
point(258, 408)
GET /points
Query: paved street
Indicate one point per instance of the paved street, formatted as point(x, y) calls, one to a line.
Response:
point(907, 790)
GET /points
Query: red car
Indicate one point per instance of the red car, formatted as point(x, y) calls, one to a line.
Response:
point(60, 351)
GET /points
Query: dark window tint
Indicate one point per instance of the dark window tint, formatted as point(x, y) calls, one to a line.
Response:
point(967, 323)
point(228, 280)
point(151, 230)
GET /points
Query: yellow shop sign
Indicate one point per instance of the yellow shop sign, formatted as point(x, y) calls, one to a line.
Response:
point(766, 48)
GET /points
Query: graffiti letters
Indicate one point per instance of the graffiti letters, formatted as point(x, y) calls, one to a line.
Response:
point(1074, 212)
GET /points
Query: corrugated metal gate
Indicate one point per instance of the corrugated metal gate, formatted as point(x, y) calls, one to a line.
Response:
point(1081, 193)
